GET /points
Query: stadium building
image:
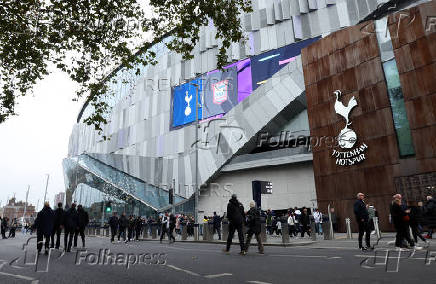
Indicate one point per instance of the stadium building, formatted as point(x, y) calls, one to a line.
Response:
point(256, 120)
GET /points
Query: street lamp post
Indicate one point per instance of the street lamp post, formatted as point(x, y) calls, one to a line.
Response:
point(46, 186)
point(25, 204)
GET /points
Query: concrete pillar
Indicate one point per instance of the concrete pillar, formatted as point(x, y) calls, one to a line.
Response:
point(285, 232)
point(312, 231)
point(263, 232)
point(206, 232)
point(154, 231)
point(184, 232)
point(196, 232)
point(348, 226)
point(326, 231)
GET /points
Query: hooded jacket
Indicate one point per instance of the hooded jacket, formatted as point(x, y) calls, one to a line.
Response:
point(235, 212)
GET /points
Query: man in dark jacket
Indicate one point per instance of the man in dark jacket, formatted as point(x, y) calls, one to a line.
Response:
point(138, 227)
point(71, 223)
point(217, 225)
point(236, 217)
point(44, 225)
point(57, 229)
point(123, 223)
point(305, 222)
point(362, 218)
point(83, 220)
point(172, 226)
point(3, 226)
point(430, 215)
point(113, 224)
point(254, 227)
point(400, 218)
point(130, 228)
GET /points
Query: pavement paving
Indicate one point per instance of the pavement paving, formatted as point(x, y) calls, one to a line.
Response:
point(186, 262)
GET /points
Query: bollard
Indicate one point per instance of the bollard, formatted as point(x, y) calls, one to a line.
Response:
point(348, 226)
point(205, 232)
point(196, 232)
point(154, 231)
point(93, 231)
point(263, 232)
point(211, 231)
point(225, 232)
point(285, 232)
point(108, 232)
point(312, 231)
point(184, 232)
point(87, 231)
point(377, 228)
point(145, 232)
point(97, 231)
point(326, 231)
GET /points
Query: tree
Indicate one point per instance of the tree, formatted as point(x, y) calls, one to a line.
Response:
point(88, 38)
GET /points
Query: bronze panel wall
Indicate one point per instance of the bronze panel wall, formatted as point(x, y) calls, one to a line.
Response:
point(349, 60)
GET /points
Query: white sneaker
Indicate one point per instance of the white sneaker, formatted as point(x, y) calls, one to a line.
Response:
point(417, 248)
point(373, 233)
point(400, 249)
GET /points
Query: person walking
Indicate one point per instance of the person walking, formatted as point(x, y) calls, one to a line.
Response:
point(334, 220)
point(362, 218)
point(401, 218)
point(123, 223)
point(291, 225)
point(172, 225)
point(305, 223)
point(165, 227)
point(317, 217)
point(130, 228)
point(113, 224)
point(44, 226)
point(217, 225)
point(57, 228)
point(3, 227)
point(430, 215)
point(71, 222)
point(13, 228)
point(83, 221)
point(254, 227)
point(138, 227)
point(236, 217)
point(416, 218)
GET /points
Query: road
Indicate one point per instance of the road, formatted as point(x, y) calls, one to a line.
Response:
point(206, 263)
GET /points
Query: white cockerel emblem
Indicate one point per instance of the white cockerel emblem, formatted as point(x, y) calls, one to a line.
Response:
point(347, 136)
point(188, 99)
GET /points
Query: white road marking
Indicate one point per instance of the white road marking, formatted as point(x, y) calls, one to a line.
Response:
point(390, 257)
point(306, 256)
point(19, 276)
point(258, 282)
point(183, 270)
point(218, 275)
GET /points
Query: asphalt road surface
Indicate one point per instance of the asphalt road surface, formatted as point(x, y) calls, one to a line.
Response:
point(152, 262)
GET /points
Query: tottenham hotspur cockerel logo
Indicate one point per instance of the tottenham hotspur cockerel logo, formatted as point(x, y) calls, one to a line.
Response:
point(347, 137)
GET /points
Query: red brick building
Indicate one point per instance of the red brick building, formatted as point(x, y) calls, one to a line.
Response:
point(15, 209)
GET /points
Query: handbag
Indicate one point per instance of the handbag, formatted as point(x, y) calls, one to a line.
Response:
point(406, 218)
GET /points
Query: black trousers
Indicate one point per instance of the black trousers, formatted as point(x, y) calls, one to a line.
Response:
point(258, 239)
point(232, 229)
point(68, 238)
point(113, 233)
point(56, 231)
point(416, 230)
point(164, 230)
point(218, 230)
point(305, 229)
point(130, 234)
point(40, 240)
point(81, 232)
point(364, 229)
point(403, 234)
point(122, 232)
point(138, 233)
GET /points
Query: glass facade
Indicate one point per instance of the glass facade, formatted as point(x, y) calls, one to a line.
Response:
point(395, 93)
point(401, 123)
point(93, 184)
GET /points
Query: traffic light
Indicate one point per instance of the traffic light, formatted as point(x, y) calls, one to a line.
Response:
point(171, 196)
point(109, 207)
